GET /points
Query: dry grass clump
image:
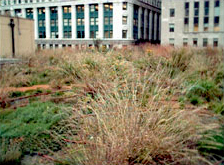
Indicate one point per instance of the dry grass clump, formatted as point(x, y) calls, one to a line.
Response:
point(114, 128)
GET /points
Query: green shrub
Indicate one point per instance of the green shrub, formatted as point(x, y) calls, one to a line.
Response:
point(212, 143)
point(16, 94)
point(30, 124)
point(207, 90)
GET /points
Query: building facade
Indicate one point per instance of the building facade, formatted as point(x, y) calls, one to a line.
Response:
point(61, 23)
point(193, 22)
point(12, 40)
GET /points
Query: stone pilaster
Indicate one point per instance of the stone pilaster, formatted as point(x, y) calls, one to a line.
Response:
point(130, 20)
point(101, 29)
point(60, 22)
point(139, 21)
point(87, 22)
point(47, 19)
point(73, 8)
point(35, 17)
point(117, 20)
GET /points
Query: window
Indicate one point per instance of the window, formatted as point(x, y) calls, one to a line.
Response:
point(186, 9)
point(215, 42)
point(205, 42)
point(195, 42)
point(186, 24)
point(171, 41)
point(196, 8)
point(195, 24)
point(94, 8)
point(186, 18)
point(217, 4)
point(125, 6)
point(171, 27)
point(106, 34)
point(106, 20)
point(108, 6)
point(172, 12)
point(124, 20)
point(206, 8)
point(185, 41)
point(216, 24)
point(124, 33)
point(206, 23)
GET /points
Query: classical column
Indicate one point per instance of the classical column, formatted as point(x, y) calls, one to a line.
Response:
point(47, 19)
point(145, 22)
point(73, 22)
point(130, 20)
point(155, 26)
point(100, 18)
point(60, 22)
point(160, 27)
point(117, 20)
point(139, 21)
point(35, 17)
point(22, 1)
point(23, 12)
point(150, 25)
point(86, 15)
point(12, 2)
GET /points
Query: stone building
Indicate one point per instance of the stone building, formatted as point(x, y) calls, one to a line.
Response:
point(77, 23)
point(193, 22)
point(18, 41)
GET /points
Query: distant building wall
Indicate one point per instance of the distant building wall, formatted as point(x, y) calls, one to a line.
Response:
point(193, 22)
point(23, 36)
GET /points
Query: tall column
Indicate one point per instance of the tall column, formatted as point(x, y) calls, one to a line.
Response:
point(12, 2)
point(130, 20)
point(60, 22)
point(145, 23)
point(100, 14)
point(22, 1)
point(160, 28)
point(35, 17)
point(139, 21)
point(155, 26)
point(86, 15)
point(117, 20)
point(23, 12)
point(73, 22)
point(47, 19)
point(150, 25)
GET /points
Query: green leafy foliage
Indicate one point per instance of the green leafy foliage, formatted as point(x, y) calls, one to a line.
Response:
point(29, 127)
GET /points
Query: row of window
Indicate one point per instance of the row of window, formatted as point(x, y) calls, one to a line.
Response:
point(207, 6)
point(195, 42)
point(20, 1)
point(80, 21)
